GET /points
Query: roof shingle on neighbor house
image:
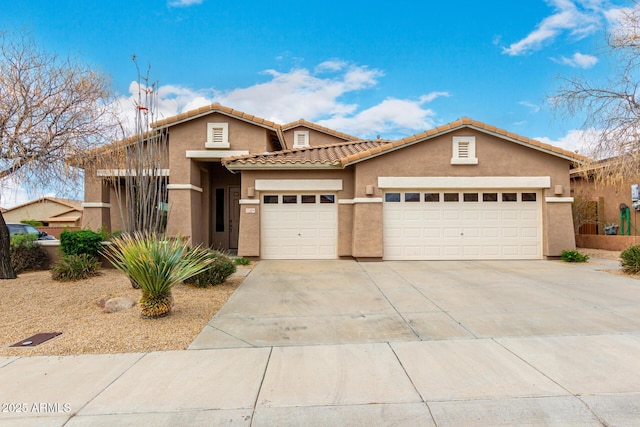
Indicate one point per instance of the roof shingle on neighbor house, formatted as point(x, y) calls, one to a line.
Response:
point(344, 154)
point(54, 210)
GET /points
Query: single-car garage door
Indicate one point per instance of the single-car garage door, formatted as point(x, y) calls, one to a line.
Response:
point(298, 226)
point(462, 224)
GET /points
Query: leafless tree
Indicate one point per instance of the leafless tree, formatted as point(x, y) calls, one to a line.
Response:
point(140, 182)
point(51, 108)
point(611, 106)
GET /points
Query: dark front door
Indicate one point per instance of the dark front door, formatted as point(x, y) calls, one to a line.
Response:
point(234, 216)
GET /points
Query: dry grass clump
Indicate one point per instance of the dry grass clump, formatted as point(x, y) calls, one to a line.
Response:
point(34, 303)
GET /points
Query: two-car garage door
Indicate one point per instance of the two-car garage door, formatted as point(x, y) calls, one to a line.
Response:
point(462, 224)
point(417, 225)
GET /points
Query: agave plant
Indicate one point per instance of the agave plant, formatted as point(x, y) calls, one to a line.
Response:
point(155, 264)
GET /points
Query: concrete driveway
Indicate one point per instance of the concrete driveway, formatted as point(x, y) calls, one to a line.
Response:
point(395, 343)
point(285, 303)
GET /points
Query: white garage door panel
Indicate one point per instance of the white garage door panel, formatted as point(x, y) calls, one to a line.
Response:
point(463, 230)
point(298, 230)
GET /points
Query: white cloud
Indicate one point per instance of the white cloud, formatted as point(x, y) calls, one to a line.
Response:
point(333, 65)
point(533, 107)
point(184, 3)
point(12, 194)
point(319, 95)
point(578, 60)
point(578, 18)
point(391, 118)
point(577, 140)
point(169, 101)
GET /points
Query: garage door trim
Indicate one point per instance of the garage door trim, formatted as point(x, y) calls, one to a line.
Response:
point(470, 182)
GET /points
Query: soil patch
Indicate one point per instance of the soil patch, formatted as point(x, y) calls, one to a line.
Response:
point(33, 303)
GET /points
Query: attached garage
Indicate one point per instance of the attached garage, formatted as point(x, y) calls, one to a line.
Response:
point(462, 191)
point(299, 226)
point(423, 224)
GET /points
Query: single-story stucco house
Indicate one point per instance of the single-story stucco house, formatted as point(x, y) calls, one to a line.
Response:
point(50, 211)
point(464, 190)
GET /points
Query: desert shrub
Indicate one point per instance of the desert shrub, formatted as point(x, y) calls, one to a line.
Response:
point(107, 236)
point(79, 242)
point(630, 260)
point(155, 264)
point(75, 267)
point(242, 261)
point(220, 267)
point(26, 254)
point(573, 256)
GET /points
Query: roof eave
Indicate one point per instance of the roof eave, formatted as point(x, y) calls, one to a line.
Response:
point(287, 166)
point(212, 111)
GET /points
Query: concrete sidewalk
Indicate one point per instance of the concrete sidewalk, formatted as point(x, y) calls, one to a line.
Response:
point(456, 344)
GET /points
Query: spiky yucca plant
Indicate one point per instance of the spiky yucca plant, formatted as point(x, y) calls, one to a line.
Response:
point(156, 264)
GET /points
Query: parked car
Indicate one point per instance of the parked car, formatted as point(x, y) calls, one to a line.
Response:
point(18, 228)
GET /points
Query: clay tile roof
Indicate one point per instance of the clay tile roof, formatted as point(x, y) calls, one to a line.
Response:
point(353, 151)
point(310, 125)
point(212, 108)
point(322, 155)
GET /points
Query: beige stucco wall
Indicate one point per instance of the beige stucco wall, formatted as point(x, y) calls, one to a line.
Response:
point(38, 211)
point(190, 210)
point(496, 157)
point(360, 224)
point(249, 239)
point(96, 191)
point(315, 137)
point(610, 197)
point(558, 234)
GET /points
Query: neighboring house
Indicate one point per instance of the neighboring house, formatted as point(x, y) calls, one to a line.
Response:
point(599, 210)
point(465, 190)
point(50, 211)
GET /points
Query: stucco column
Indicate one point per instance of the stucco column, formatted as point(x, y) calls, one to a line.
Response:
point(559, 226)
point(96, 209)
point(184, 203)
point(249, 238)
point(345, 229)
point(367, 230)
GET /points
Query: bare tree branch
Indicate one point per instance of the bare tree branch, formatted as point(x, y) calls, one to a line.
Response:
point(611, 107)
point(51, 109)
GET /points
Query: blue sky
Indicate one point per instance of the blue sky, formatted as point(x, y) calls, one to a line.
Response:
point(362, 67)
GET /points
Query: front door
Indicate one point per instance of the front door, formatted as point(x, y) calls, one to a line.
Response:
point(234, 217)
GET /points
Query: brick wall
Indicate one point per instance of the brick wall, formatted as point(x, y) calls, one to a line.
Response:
point(56, 231)
point(606, 242)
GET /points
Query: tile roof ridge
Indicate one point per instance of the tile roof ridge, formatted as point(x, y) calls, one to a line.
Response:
point(312, 125)
point(72, 203)
point(467, 121)
point(216, 106)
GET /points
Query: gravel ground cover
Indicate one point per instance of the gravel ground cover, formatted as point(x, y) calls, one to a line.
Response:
point(34, 303)
point(600, 253)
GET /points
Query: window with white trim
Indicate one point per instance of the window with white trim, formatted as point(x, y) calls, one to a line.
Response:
point(300, 138)
point(464, 150)
point(217, 135)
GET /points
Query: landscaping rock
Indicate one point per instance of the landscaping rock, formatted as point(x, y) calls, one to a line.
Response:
point(118, 304)
point(102, 301)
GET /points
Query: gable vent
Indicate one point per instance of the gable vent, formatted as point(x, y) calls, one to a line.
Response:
point(217, 136)
point(463, 150)
point(300, 138)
